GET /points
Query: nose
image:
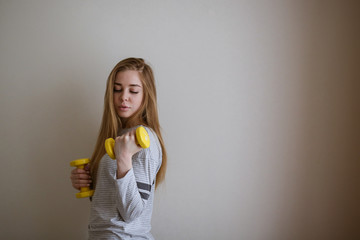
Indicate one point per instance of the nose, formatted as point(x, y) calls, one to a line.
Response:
point(124, 96)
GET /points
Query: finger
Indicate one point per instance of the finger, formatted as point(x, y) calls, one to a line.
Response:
point(126, 136)
point(78, 170)
point(133, 134)
point(80, 176)
point(79, 186)
point(84, 176)
point(82, 182)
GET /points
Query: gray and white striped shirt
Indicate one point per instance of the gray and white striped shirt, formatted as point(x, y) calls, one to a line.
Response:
point(122, 208)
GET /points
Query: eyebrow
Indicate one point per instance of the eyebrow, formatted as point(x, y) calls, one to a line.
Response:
point(131, 85)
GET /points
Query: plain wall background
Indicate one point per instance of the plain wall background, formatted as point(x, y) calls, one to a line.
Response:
point(258, 100)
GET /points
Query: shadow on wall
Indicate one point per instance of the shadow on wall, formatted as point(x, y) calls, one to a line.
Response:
point(318, 186)
point(326, 202)
point(330, 123)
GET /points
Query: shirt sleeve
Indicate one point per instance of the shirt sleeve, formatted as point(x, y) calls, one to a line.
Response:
point(135, 188)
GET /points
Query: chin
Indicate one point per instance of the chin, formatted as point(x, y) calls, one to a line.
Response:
point(122, 115)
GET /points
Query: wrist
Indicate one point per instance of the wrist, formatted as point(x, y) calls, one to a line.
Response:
point(123, 157)
point(123, 166)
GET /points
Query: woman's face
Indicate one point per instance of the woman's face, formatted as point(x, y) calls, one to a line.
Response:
point(128, 93)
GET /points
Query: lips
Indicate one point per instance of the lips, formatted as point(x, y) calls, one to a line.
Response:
point(123, 108)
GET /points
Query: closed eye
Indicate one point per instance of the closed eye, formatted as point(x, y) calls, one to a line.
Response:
point(120, 90)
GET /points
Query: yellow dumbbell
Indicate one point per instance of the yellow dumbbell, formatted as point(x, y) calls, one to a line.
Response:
point(84, 191)
point(142, 139)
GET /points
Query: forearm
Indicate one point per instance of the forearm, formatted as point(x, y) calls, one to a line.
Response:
point(125, 148)
point(124, 164)
point(129, 201)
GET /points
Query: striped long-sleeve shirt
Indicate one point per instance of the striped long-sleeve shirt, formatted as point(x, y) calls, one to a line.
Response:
point(122, 208)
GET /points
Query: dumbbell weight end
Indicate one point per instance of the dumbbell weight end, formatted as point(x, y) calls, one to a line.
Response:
point(142, 139)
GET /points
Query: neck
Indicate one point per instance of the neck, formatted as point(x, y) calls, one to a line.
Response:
point(124, 122)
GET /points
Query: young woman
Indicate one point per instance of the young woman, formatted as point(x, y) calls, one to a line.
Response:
point(122, 204)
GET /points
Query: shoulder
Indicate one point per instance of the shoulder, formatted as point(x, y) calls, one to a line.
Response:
point(152, 134)
point(154, 151)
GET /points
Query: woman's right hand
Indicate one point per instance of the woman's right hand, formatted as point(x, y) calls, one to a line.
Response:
point(80, 177)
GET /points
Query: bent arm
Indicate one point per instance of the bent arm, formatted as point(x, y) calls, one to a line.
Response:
point(130, 201)
point(136, 186)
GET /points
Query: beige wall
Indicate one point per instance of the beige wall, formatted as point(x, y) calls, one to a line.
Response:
point(259, 103)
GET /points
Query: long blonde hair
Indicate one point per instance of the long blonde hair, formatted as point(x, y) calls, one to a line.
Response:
point(147, 114)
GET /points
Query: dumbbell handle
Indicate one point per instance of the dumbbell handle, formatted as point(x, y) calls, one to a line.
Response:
point(142, 139)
